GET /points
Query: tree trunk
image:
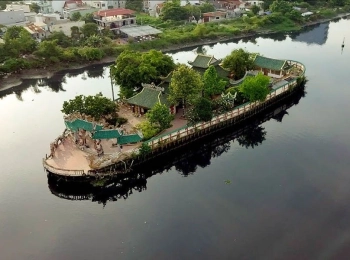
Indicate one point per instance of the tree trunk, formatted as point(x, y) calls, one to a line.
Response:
point(183, 107)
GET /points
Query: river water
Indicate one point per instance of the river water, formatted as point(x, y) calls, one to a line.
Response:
point(286, 198)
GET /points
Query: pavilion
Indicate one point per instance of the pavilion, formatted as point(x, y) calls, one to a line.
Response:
point(272, 67)
point(148, 97)
point(202, 62)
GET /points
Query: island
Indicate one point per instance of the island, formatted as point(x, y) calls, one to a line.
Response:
point(105, 138)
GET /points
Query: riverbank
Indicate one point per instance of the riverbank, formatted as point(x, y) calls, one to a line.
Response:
point(16, 79)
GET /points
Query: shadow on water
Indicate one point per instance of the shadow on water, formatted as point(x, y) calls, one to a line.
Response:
point(55, 82)
point(184, 160)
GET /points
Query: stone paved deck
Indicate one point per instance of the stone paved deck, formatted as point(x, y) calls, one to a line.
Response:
point(68, 156)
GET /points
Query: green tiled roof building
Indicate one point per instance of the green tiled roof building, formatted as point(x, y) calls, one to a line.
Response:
point(202, 62)
point(149, 96)
point(268, 66)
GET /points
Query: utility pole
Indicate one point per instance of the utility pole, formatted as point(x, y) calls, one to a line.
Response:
point(110, 76)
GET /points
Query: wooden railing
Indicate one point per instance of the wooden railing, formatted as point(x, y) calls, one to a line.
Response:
point(240, 110)
point(62, 171)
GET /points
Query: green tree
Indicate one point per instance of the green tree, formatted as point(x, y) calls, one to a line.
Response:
point(90, 53)
point(14, 65)
point(255, 9)
point(88, 18)
point(145, 149)
point(75, 16)
point(34, 7)
point(75, 32)
point(136, 5)
point(148, 130)
point(255, 88)
point(294, 15)
point(62, 40)
point(338, 2)
point(238, 62)
point(213, 85)
point(160, 116)
point(49, 50)
point(207, 7)
point(94, 41)
point(193, 11)
point(96, 106)
point(186, 85)
point(280, 6)
point(172, 10)
point(89, 29)
point(200, 111)
point(18, 41)
point(133, 68)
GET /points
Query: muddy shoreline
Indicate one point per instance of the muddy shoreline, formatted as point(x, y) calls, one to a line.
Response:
point(14, 80)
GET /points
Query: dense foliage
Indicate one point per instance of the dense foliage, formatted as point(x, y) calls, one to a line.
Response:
point(201, 110)
point(255, 88)
point(186, 85)
point(148, 130)
point(172, 10)
point(213, 85)
point(95, 106)
point(133, 68)
point(238, 62)
point(136, 5)
point(160, 116)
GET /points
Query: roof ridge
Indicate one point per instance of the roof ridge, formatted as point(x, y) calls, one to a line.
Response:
point(136, 94)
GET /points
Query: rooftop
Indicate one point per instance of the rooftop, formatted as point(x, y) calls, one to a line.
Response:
point(204, 61)
point(137, 31)
point(114, 12)
point(82, 124)
point(214, 14)
point(148, 97)
point(268, 63)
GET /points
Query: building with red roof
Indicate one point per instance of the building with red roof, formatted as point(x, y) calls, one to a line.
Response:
point(115, 18)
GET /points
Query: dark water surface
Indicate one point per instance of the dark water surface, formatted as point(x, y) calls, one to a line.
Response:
point(288, 198)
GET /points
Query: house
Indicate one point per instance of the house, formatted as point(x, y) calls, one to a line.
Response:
point(37, 32)
point(148, 97)
point(45, 7)
point(71, 7)
point(202, 62)
point(114, 18)
point(17, 7)
point(233, 5)
point(104, 5)
point(252, 2)
point(12, 17)
point(214, 16)
point(271, 67)
point(154, 7)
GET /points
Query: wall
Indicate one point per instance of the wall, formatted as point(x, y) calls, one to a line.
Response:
point(65, 27)
point(10, 17)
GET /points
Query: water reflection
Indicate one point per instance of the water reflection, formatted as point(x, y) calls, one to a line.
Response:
point(55, 82)
point(185, 160)
point(317, 34)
